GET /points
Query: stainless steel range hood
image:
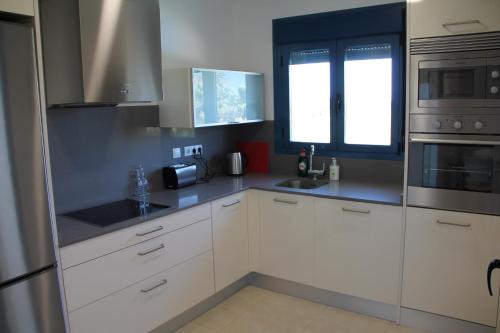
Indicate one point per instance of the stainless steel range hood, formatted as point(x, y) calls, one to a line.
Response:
point(101, 52)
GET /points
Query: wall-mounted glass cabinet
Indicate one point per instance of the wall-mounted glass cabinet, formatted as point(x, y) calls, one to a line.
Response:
point(197, 97)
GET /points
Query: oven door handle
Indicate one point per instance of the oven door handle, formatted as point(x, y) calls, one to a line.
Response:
point(456, 141)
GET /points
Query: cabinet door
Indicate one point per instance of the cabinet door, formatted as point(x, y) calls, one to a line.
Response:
point(429, 18)
point(253, 229)
point(358, 249)
point(226, 97)
point(230, 227)
point(446, 257)
point(23, 7)
point(287, 236)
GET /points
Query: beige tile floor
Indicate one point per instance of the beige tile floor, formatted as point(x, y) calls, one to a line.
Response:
point(255, 310)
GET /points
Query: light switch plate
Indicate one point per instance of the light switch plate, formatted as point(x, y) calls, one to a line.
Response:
point(176, 153)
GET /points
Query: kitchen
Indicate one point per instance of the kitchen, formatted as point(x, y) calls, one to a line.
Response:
point(167, 172)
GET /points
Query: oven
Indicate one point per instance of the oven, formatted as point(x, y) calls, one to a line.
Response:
point(455, 172)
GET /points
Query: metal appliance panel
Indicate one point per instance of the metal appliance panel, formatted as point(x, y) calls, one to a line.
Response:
point(461, 201)
point(488, 105)
point(455, 172)
point(121, 50)
point(32, 305)
point(25, 231)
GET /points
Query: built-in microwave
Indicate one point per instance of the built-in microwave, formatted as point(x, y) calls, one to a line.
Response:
point(451, 78)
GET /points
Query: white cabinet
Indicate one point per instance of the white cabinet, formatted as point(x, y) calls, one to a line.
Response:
point(358, 249)
point(446, 257)
point(23, 7)
point(197, 97)
point(429, 18)
point(230, 233)
point(96, 247)
point(287, 236)
point(148, 303)
point(92, 280)
point(253, 229)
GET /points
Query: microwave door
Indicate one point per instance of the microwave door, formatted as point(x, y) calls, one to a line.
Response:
point(452, 83)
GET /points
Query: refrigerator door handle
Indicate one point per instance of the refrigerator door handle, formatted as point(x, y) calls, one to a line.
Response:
point(491, 267)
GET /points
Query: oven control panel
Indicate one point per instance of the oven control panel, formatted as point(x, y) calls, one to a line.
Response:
point(455, 124)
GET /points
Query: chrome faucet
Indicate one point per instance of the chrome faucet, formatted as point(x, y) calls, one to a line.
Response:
point(311, 171)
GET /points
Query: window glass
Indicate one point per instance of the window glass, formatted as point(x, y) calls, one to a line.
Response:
point(368, 95)
point(309, 91)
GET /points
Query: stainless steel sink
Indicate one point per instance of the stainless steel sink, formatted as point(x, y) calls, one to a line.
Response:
point(302, 183)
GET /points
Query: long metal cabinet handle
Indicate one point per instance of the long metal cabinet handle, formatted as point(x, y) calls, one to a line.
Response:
point(231, 204)
point(457, 142)
point(159, 284)
point(360, 211)
point(449, 24)
point(289, 202)
point(455, 224)
point(141, 234)
point(158, 248)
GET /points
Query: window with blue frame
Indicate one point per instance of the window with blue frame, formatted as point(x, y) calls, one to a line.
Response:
point(339, 82)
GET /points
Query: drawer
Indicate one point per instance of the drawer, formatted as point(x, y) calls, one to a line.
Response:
point(149, 303)
point(90, 281)
point(96, 247)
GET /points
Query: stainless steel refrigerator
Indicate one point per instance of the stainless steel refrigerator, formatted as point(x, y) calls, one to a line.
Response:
point(29, 290)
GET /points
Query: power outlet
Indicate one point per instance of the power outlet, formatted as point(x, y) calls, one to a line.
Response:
point(176, 153)
point(188, 150)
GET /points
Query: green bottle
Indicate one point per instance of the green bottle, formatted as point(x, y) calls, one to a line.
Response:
point(303, 164)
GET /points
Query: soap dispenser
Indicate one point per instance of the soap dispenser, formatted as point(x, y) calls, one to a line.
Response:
point(334, 170)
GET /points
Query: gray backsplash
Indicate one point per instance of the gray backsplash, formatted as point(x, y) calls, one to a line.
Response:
point(350, 168)
point(92, 151)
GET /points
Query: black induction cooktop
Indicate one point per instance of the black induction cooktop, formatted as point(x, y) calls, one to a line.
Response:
point(111, 213)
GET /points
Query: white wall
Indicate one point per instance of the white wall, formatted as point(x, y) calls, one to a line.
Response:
point(234, 34)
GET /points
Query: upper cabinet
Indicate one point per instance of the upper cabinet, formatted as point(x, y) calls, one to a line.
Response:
point(23, 7)
point(101, 51)
point(430, 18)
point(196, 97)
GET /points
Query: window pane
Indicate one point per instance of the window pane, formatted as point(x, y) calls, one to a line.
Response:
point(368, 95)
point(309, 82)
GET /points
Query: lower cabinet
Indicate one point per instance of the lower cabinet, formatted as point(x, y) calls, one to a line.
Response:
point(230, 233)
point(92, 280)
point(287, 236)
point(446, 257)
point(358, 249)
point(149, 303)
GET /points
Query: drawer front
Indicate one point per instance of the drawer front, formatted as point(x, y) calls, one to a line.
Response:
point(96, 247)
point(229, 219)
point(446, 257)
point(90, 281)
point(149, 303)
point(358, 249)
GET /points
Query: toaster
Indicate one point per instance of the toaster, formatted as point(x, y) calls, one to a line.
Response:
point(179, 175)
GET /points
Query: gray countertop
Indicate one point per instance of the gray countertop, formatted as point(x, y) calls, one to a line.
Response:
point(71, 231)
